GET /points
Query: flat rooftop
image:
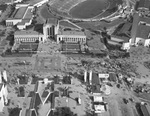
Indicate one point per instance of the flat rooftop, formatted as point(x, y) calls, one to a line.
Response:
point(143, 31)
point(28, 14)
point(19, 13)
point(76, 33)
point(24, 32)
point(51, 21)
point(144, 4)
point(23, 21)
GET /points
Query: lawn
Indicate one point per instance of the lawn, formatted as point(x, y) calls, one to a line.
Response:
point(45, 13)
point(89, 8)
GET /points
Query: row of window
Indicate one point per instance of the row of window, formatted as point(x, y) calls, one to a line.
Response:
point(50, 31)
point(27, 39)
point(9, 23)
point(73, 39)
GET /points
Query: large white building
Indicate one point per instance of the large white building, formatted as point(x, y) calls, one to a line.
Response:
point(50, 28)
point(71, 37)
point(28, 36)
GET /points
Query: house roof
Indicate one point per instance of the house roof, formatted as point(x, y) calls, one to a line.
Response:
point(145, 110)
point(144, 4)
point(145, 19)
point(24, 32)
point(98, 99)
point(19, 13)
point(1, 85)
point(23, 21)
point(143, 31)
point(112, 76)
point(136, 19)
point(95, 78)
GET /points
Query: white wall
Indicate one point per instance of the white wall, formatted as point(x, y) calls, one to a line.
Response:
point(147, 42)
point(13, 21)
point(139, 40)
point(71, 36)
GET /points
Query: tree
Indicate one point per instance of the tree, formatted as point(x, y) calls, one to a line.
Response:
point(14, 111)
point(63, 111)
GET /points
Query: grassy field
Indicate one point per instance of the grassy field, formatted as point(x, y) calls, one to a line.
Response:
point(89, 8)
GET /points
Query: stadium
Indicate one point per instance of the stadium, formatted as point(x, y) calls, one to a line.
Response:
point(83, 9)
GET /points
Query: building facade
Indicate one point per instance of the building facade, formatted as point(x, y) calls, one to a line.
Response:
point(71, 37)
point(28, 36)
point(50, 29)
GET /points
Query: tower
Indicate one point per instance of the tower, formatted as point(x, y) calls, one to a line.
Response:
point(50, 29)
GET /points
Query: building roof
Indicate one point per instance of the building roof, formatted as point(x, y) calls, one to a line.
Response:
point(136, 19)
point(53, 21)
point(28, 14)
point(143, 4)
point(145, 19)
point(95, 78)
point(143, 31)
point(145, 110)
point(19, 13)
point(1, 85)
point(99, 108)
point(112, 76)
point(74, 33)
point(98, 99)
point(27, 33)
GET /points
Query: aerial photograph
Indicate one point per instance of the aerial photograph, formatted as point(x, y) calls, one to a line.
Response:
point(74, 57)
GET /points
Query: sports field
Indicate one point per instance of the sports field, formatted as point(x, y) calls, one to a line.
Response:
point(89, 8)
point(84, 9)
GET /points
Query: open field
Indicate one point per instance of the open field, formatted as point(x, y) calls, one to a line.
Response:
point(84, 9)
point(89, 8)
